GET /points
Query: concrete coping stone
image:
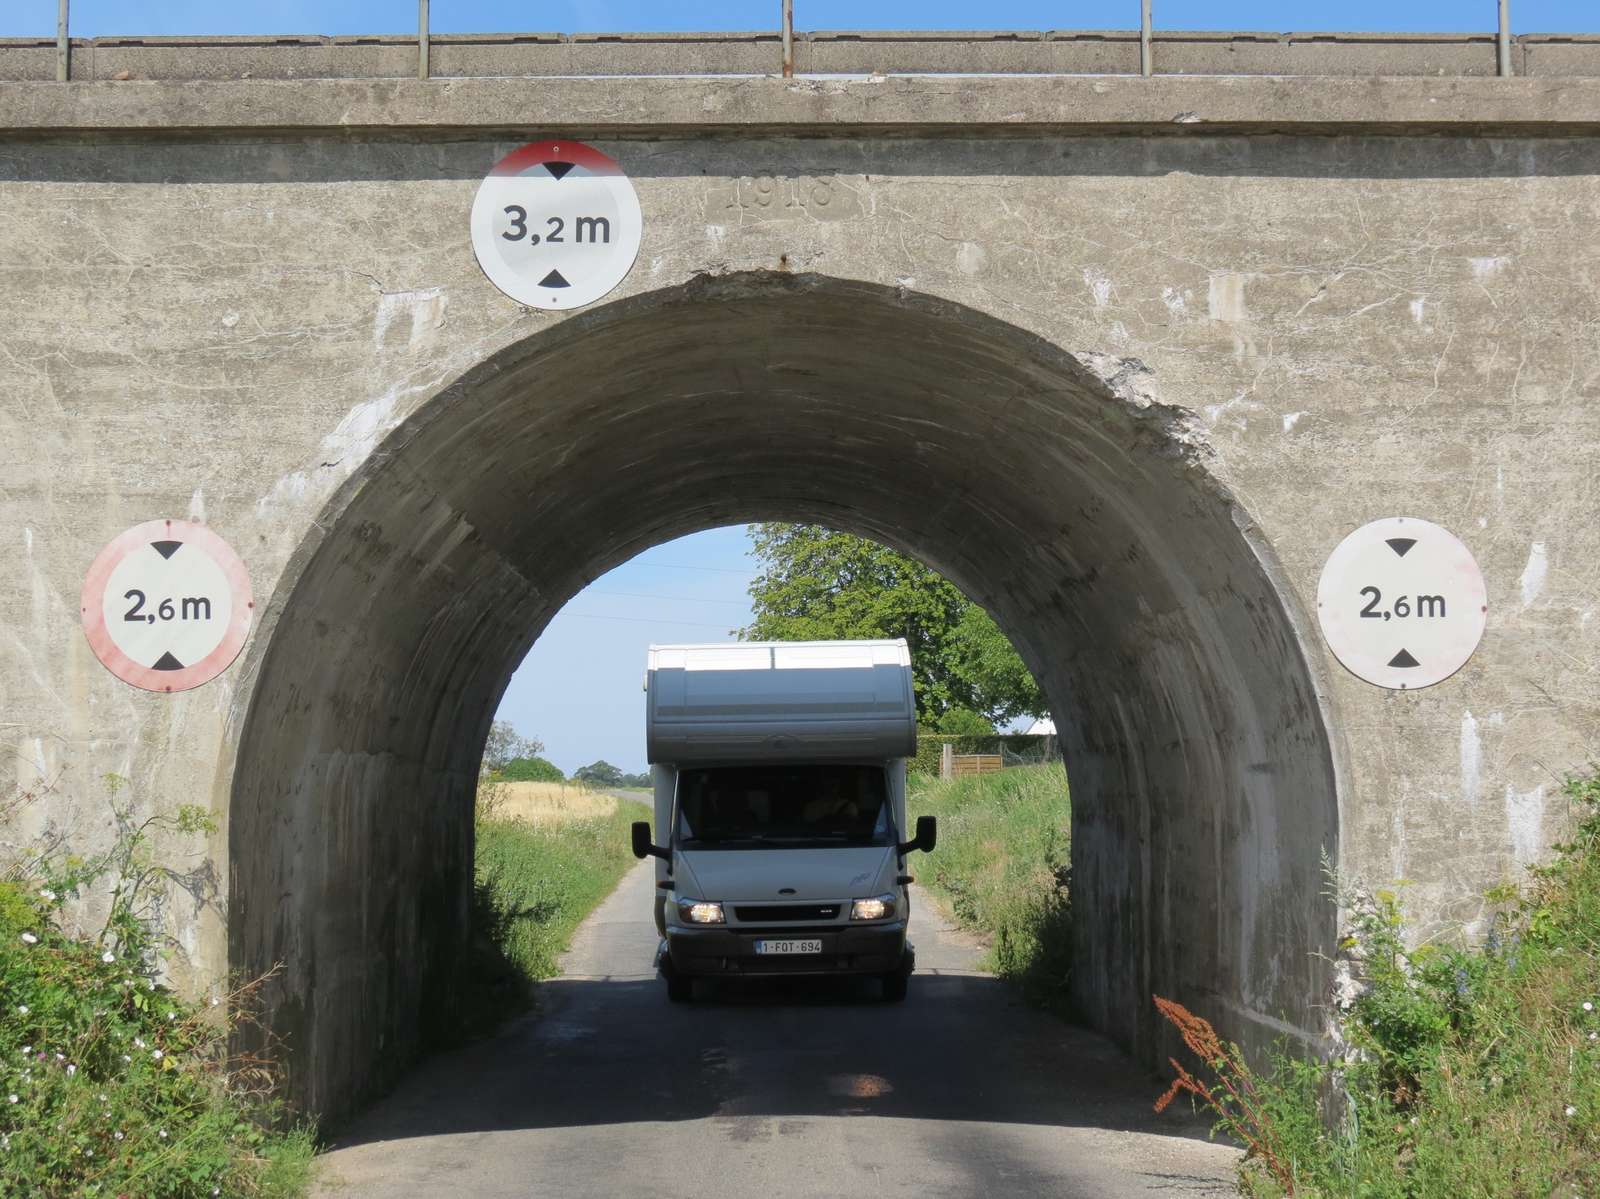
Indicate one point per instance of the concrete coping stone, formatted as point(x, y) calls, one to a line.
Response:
point(879, 105)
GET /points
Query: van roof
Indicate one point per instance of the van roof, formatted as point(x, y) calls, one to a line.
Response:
point(779, 701)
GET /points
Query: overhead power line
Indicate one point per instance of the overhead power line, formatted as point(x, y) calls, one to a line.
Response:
point(721, 570)
point(693, 624)
point(686, 599)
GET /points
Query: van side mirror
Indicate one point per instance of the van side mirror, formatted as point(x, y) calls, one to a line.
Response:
point(642, 848)
point(927, 836)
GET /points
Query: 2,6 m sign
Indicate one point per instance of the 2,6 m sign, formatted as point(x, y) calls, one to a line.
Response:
point(194, 607)
point(556, 225)
point(1424, 606)
point(166, 606)
point(1402, 603)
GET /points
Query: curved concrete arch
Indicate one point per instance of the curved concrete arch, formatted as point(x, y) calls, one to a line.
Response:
point(1085, 515)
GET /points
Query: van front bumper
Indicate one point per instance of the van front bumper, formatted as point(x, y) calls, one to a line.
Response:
point(846, 949)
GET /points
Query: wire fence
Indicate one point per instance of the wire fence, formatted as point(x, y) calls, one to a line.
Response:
point(1010, 749)
point(1147, 44)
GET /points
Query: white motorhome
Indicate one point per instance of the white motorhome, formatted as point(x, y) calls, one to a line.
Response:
point(780, 794)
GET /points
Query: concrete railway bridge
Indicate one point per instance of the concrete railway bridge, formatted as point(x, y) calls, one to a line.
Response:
point(1125, 357)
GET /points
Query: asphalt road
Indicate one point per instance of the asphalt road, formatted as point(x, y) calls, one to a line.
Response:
point(773, 1090)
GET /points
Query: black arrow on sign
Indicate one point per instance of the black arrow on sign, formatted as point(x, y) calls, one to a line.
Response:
point(167, 662)
point(554, 279)
point(1401, 544)
point(166, 548)
point(558, 169)
point(1403, 659)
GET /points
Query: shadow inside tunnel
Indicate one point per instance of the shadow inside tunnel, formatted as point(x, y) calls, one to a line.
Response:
point(609, 1051)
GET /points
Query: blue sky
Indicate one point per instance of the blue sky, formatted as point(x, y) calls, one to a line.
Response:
point(95, 18)
point(579, 690)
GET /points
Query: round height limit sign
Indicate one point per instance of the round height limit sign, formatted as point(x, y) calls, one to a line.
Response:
point(556, 225)
point(1402, 603)
point(166, 606)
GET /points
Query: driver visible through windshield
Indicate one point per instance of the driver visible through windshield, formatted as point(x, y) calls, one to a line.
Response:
point(815, 804)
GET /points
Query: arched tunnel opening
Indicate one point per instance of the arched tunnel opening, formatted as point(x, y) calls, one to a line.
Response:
point(1085, 516)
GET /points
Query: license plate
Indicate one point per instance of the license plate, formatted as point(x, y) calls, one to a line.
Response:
point(795, 946)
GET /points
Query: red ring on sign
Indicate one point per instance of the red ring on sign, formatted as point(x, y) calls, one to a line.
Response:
point(92, 606)
point(525, 158)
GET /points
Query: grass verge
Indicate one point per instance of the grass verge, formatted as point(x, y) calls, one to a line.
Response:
point(536, 881)
point(1475, 1070)
point(1003, 868)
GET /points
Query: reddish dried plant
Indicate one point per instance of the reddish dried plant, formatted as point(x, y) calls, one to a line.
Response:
point(1235, 1099)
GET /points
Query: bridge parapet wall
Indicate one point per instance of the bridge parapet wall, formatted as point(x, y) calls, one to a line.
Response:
point(1050, 52)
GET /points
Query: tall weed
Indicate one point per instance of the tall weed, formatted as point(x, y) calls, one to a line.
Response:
point(1473, 1071)
point(111, 1084)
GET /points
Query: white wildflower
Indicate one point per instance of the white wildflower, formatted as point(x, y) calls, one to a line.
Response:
point(1587, 1006)
point(71, 1069)
point(162, 1134)
point(172, 1015)
point(158, 1055)
point(138, 1042)
point(47, 895)
point(23, 1008)
point(108, 957)
point(61, 1057)
point(13, 1098)
point(29, 939)
point(1571, 1111)
point(126, 1058)
point(26, 1050)
point(88, 1153)
point(119, 1136)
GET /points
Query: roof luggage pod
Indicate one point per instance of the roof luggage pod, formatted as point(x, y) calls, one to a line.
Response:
point(779, 701)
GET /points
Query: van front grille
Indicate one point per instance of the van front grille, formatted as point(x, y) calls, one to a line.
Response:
point(787, 913)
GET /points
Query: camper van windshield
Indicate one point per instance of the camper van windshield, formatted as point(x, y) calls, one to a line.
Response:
point(753, 806)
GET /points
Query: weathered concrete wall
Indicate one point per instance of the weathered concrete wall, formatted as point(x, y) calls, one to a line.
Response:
point(231, 324)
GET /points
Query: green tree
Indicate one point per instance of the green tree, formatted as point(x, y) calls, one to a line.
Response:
point(531, 770)
point(599, 774)
point(984, 656)
point(818, 584)
point(505, 743)
point(963, 722)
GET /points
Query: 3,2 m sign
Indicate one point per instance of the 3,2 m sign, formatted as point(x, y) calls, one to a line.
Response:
point(556, 225)
point(1402, 603)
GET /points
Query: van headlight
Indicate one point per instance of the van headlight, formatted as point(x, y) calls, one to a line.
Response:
point(879, 907)
point(700, 911)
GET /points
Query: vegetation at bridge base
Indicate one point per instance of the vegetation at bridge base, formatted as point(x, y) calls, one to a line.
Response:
point(111, 1084)
point(1003, 867)
point(535, 883)
point(1472, 1071)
